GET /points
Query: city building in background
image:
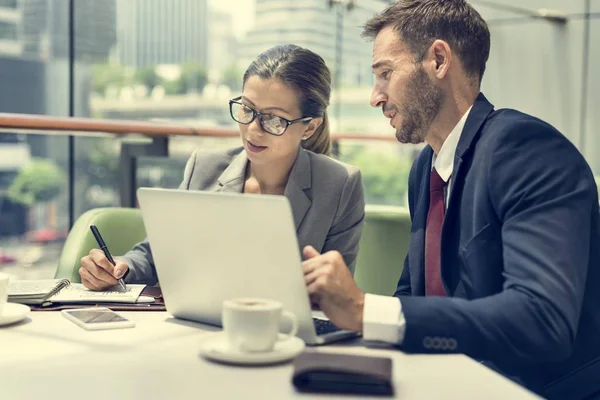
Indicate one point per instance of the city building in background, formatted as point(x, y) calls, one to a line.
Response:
point(180, 61)
point(34, 62)
point(330, 31)
point(223, 45)
point(44, 29)
point(10, 20)
point(152, 32)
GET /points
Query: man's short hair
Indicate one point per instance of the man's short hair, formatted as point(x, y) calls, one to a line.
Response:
point(420, 22)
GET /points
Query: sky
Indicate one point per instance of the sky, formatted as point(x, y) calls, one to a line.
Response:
point(241, 10)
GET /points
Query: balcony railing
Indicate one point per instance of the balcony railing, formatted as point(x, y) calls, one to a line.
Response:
point(157, 145)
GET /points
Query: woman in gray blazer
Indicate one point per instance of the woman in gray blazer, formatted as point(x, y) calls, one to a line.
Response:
point(284, 129)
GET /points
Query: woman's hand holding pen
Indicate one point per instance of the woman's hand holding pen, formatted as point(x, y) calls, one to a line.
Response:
point(97, 273)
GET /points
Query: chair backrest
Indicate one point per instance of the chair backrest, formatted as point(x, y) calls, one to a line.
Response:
point(382, 249)
point(121, 228)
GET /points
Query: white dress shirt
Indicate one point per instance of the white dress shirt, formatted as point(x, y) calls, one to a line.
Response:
point(383, 319)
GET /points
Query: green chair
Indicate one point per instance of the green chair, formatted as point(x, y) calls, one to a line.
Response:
point(382, 249)
point(121, 228)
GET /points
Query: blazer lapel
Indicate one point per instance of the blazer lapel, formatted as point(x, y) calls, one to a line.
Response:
point(477, 117)
point(232, 179)
point(479, 113)
point(417, 242)
point(299, 180)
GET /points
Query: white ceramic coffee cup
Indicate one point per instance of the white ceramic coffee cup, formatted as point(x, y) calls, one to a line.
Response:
point(3, 290)
point(252, 324)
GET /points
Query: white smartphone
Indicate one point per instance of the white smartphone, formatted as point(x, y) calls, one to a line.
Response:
point(97, 318)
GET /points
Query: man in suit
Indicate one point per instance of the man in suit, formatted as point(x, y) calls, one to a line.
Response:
point(503, 262)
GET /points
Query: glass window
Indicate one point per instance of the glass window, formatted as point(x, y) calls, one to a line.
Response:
point(183, 62)
point(180, 61)
point(34, 181)
point(8, 3)
point(8, 31)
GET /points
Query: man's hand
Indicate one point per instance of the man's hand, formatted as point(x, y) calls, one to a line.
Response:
point(97, 273)
point(332, 287)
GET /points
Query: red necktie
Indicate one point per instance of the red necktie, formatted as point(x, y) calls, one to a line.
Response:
point(433, 236)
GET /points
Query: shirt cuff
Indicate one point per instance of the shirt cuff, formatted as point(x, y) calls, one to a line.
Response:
point(383, 319)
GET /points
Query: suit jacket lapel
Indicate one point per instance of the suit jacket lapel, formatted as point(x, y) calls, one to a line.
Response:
point(417, 252)
point(232, 179)
point(299, 180)
point(479, 113)
point(477, 117)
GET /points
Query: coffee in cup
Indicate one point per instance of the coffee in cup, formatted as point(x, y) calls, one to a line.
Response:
point(252, 324)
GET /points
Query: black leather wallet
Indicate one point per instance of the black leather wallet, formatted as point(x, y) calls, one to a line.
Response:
point(318, 372)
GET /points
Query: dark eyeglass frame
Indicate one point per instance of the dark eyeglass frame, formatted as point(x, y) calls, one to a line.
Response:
point(256, 114)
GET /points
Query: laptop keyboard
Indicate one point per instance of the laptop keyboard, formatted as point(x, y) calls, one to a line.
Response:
point(324, 326)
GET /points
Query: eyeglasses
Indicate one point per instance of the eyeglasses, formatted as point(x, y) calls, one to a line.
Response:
point(268, 122)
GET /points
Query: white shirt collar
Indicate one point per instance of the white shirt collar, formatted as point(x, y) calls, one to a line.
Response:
point(444, 162)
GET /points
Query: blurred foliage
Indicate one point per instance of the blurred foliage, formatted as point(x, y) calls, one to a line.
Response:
point(147, 76)
point(384, 173)
point(101, 163)
point(160, 172)
point(232, 77)
point(39, 181)
point(176, 86)
point(193, 78)
point(105, 75)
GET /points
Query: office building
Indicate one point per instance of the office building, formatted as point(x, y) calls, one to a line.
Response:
point(152, 32)
point(10, 18)
point(222, 44)
point(329, 31)
point(44, 29)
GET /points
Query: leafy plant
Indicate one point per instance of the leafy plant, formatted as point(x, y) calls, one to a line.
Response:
point(384, 173)
point(105, 75)
point(232, 77)
point(194, 77)
point(147, 76)
point(40, 181)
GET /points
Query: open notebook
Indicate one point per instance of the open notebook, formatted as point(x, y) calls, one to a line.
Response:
point(48, 291)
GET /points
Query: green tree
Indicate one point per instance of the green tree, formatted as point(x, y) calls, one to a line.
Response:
point(40, 181)
point(174, 87)
point(193, 77)
point(147, 76)
point(101, 164)
point(232, 77)
point(104, 75)
point(384, 174)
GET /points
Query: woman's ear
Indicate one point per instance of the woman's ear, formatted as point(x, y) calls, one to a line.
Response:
point(312, 127)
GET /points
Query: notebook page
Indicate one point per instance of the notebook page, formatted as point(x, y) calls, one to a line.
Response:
point(77, 293)
point(32, 287)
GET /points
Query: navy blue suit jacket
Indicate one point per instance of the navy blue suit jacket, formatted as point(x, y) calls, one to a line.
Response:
point(519, 256)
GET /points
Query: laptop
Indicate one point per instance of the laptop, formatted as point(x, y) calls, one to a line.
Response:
point(209, 247)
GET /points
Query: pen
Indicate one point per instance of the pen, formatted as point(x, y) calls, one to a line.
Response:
point(103, 247)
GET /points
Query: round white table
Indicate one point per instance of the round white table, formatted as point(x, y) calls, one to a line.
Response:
point(48, 357)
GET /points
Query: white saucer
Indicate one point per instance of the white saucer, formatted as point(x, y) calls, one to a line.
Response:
point(13, 312)
point(213, 346)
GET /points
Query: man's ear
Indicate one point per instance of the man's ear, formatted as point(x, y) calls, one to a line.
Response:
point(439, 58)
point(312, 127)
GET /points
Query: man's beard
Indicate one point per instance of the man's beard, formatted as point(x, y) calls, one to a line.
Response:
point(422, 103)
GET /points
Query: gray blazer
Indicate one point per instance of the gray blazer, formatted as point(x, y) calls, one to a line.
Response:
point(326, 198)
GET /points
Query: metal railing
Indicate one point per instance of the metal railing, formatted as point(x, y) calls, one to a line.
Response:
point(157, 146)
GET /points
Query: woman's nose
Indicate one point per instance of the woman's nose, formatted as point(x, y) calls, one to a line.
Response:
point(255, 126)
